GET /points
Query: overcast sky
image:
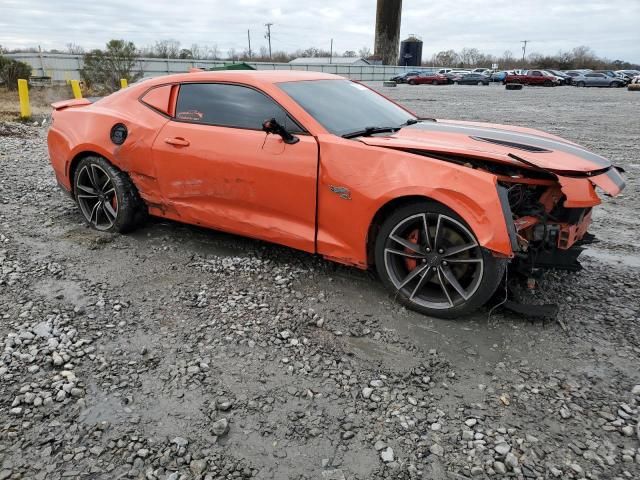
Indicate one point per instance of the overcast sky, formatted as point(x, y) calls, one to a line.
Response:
point(610, 27)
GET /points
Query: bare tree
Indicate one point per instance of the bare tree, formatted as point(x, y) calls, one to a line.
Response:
point(446, 58)
point(364, 52)
point(213, 53)
point(231, 54)
point(469, 56)
point(196, 51)
point(167, 48)
point(74, 49)
point(349, 53)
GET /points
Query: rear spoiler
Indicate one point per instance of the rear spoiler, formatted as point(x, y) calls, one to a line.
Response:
point(77, 102)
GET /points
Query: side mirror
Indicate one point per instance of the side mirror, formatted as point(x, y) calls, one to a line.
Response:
point(272, 126)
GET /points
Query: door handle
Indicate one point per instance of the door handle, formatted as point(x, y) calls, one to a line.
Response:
point(177, 141)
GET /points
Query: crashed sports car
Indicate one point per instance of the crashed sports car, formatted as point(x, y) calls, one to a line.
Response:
point(322, 164)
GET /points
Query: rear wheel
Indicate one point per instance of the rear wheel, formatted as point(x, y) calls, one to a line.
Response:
point(580, 84)
point(435, 82)
point(106, 196)
point(432, 262)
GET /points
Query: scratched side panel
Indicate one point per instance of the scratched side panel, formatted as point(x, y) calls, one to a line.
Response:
point(240, 181)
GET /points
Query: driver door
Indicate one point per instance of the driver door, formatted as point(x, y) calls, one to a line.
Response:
point(217, 168)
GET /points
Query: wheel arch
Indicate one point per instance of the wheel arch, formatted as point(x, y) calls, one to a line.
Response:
point(485, 227)
point(79, 156)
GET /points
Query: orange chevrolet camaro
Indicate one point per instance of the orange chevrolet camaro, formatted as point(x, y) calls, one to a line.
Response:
point(326, 165)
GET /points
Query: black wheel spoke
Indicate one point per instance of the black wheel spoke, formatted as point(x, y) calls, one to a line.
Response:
point(424, 278)
point(453, 281)
point(414, 247)
point(412, 274)
point(444, 287)
point(425, 227)
point(108, 209)
point(402, 253)
point(88, 190)
point(439, 228)
point(459, 249)
point(464, 260)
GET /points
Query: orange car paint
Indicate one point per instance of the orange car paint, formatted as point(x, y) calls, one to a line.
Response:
point(251, 183)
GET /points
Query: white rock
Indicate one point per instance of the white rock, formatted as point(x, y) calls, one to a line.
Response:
point(366, 392)
point(502, 448)
point(387, 455)
point(470, 422)
point(436, 450)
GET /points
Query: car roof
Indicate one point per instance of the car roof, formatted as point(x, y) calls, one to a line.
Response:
point(254, 77)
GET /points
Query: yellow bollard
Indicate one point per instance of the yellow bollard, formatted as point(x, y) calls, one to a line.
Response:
point(75, 87)
point(123, 83)
point(23, 92)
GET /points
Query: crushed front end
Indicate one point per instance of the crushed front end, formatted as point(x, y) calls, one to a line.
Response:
point(552, 213)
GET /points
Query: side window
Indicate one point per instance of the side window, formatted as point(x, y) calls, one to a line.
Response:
point(536, 73)
point(229, 106)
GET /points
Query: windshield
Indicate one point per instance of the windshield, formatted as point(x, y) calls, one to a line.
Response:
point(342, 106)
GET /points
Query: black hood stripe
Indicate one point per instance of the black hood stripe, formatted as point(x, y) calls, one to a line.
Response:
point(535, 141)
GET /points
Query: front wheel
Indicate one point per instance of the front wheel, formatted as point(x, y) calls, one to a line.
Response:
point(431, 260)
point(106, 196)
point(580, 84)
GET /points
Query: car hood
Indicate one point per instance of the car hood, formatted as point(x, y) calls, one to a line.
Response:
point(501, 143)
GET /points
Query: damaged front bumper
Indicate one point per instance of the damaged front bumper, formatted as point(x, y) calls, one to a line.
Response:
point(552, 231)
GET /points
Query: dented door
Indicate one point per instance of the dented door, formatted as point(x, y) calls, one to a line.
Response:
point(239, 180)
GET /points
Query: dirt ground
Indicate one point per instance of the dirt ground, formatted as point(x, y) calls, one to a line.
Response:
point(40, 99)
point(176, 352)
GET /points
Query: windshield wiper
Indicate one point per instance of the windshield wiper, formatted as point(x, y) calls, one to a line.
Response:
point(368, 131)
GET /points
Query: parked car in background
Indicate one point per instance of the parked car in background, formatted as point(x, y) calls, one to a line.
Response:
point(498, 76)
point(454, 75)
point(596, 79)
point(484, 71)
point(564, 78)
point(532, 77)
point(404, 77)
point(471, 79)
point(428, 78)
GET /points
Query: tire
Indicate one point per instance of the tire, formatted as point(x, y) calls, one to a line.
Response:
point(580, 84)
point(547, 83)
point(481, 83)
point(106, 196)
point(411, 82)
point(435, 82)
point(418, 275)
point(456, 83)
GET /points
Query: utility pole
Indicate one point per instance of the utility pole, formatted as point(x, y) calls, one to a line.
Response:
point(249, 39)
point(268, 37)
point(524, 48)
point(331, 51)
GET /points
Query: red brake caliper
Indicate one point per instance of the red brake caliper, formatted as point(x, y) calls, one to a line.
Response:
point(413, 237)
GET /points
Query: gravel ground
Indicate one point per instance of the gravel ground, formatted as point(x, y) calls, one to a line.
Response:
point(178, 353)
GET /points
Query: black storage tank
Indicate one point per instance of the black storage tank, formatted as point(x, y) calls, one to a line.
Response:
point(410, 52)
